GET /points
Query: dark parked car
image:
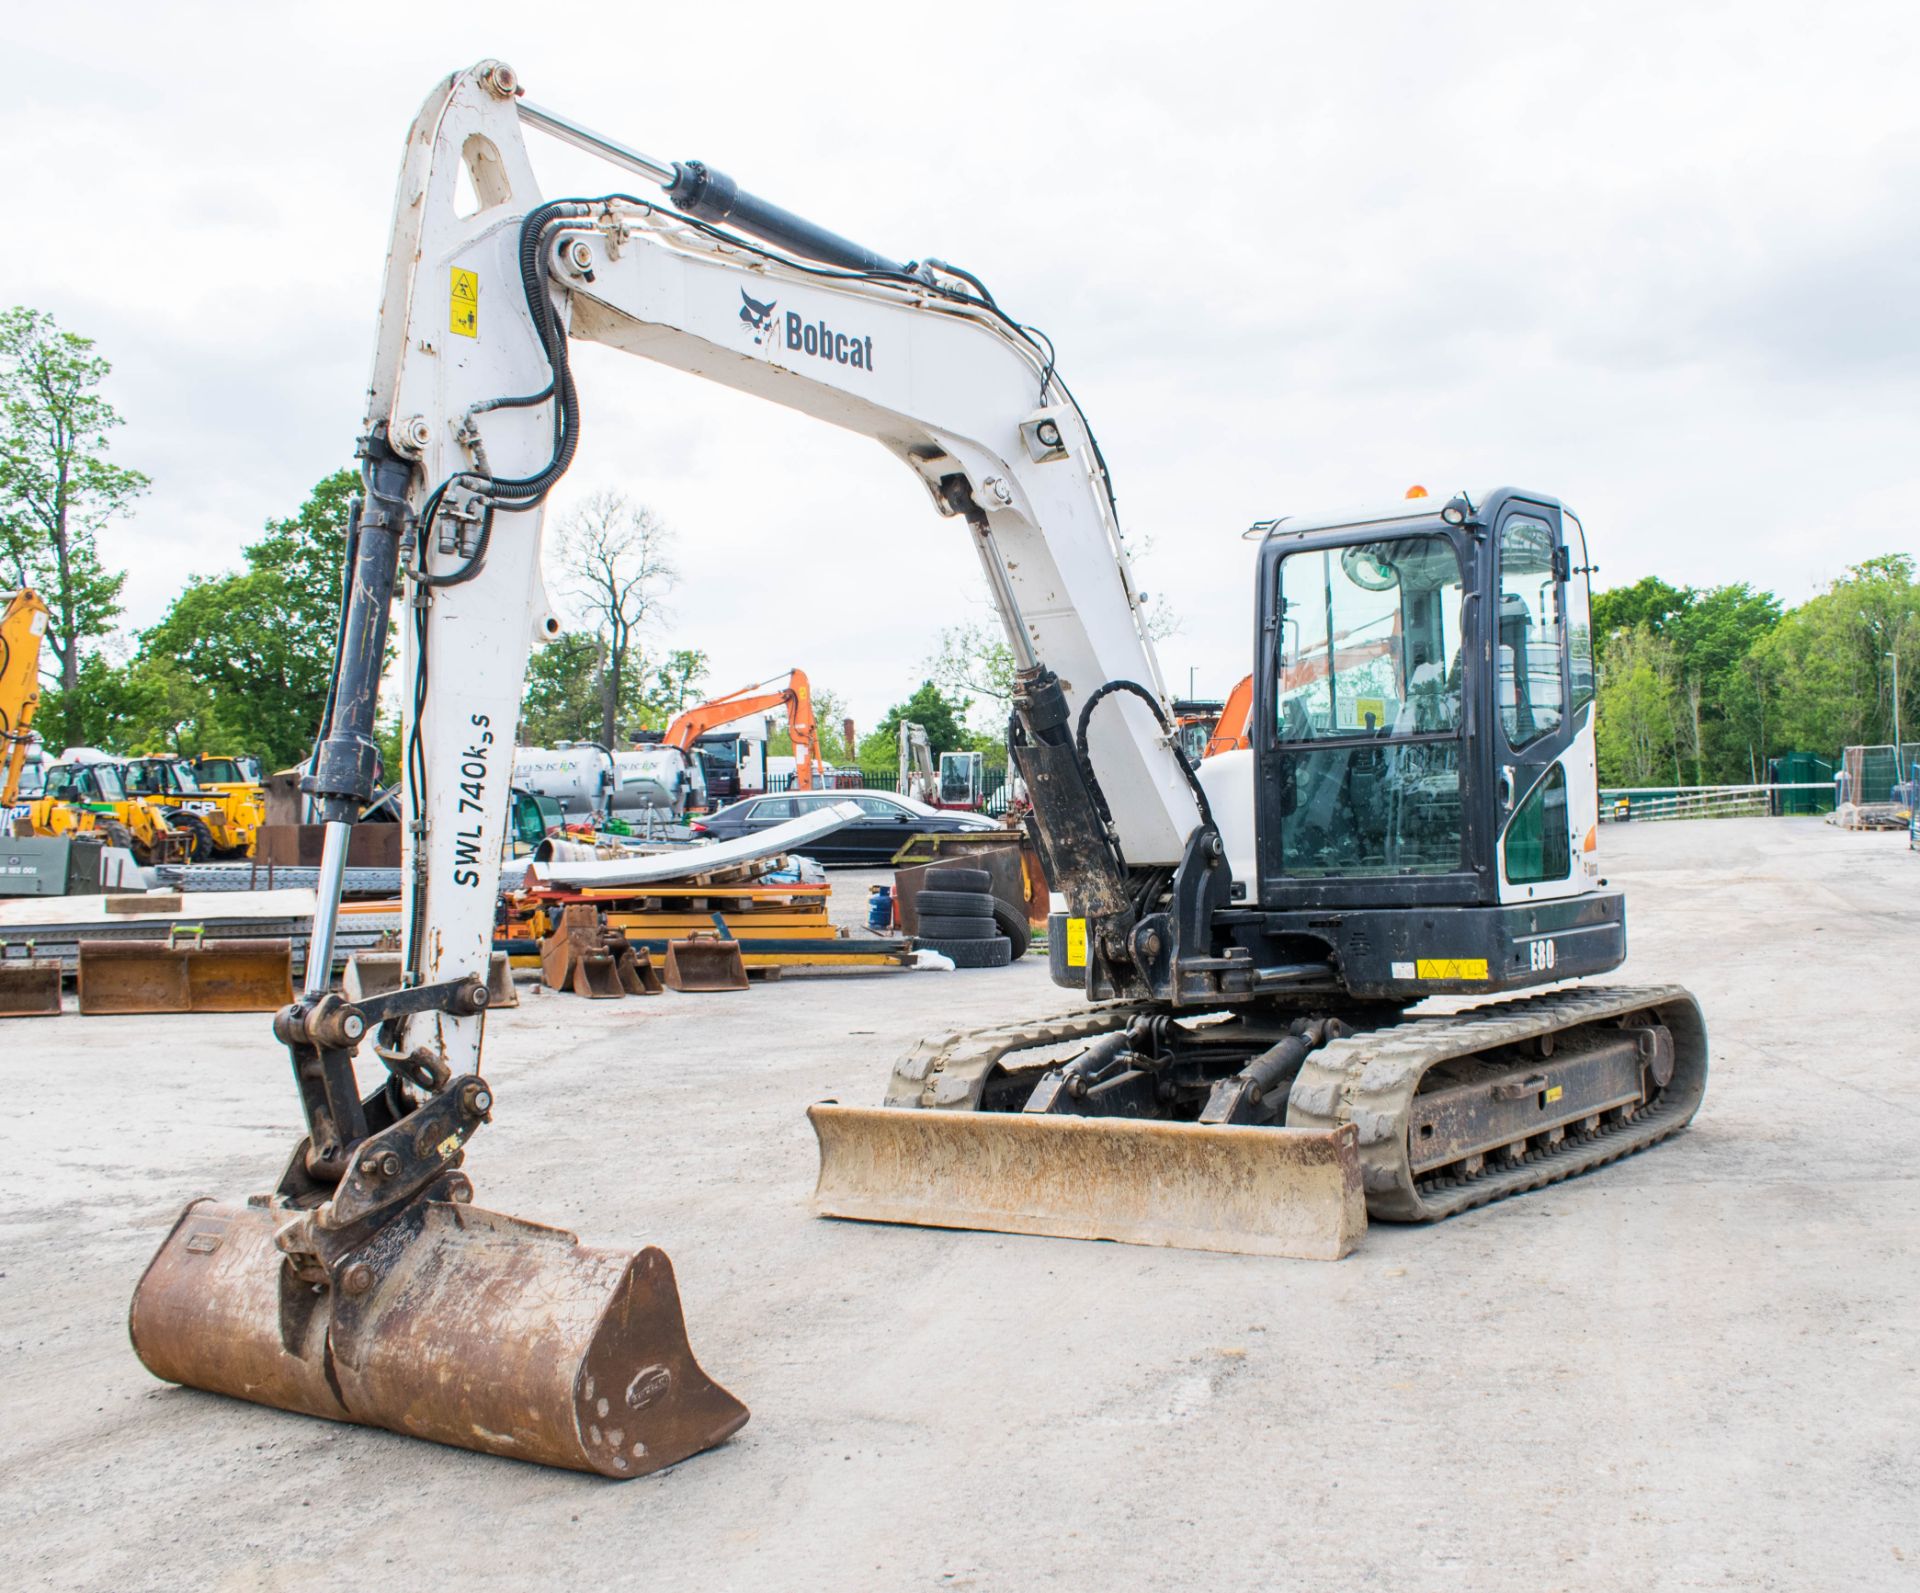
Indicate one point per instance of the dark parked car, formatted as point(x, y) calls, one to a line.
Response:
point(871, 839)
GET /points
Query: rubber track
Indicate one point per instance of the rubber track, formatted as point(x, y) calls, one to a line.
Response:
point(1371, 1079)
point(942, 1062)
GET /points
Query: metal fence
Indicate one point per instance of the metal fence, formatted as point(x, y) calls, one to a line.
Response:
point(1621, 803)
point(1869, 774)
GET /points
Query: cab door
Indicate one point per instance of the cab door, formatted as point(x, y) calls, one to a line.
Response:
point(1542, 732)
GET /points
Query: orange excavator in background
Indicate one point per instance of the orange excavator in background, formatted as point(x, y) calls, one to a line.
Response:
point(1230, 729)
point(794, 696)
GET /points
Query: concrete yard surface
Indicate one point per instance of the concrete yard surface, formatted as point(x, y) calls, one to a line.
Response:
point(1694, 1369)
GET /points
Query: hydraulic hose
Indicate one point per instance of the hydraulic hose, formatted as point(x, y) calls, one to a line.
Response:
point(1153, 703)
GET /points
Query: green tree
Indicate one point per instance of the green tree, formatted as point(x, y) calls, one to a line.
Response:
point(562, 701)
point(259, 644)
point(1723, 725)
point(615, 556)
point(943, 718)
point(1649, 603)
point(973, 661)
point(57, 490)
point(1830, 658)
point(676, 686)
point(1637, 728)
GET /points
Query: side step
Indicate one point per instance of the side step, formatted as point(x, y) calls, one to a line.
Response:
point(1248, 1191)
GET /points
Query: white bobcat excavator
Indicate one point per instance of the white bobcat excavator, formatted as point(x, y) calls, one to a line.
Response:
point(1414, 815)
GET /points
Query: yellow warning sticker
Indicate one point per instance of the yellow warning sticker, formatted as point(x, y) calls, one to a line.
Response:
point(1076, 943)
point(1451, 968)
point(1370, 712)
point(1555, 1093)
point(463, 315)
point(448, 1148)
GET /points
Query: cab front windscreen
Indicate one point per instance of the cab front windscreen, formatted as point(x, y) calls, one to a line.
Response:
point(1367, 695)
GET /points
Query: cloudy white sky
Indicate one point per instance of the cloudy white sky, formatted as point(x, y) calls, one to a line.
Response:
point(1658, 259)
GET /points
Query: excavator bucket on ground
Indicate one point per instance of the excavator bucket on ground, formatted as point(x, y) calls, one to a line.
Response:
point(29, 985)
point(473, 1329)
point(584, 956)
point(637, 972)
point(1252, 1191)
point(198, 975)
point(705, 962)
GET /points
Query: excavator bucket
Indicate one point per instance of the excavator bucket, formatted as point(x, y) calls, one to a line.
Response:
point(705, 963)
point(1251, 1191)
point(124, 976)
point(29, 986)
point(481, 1331)
point(582, 957)
point(596, 975)
point(634, 966)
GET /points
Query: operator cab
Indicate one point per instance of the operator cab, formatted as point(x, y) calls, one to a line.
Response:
point(1423, 739)
point(85, 782)
point(160, 777)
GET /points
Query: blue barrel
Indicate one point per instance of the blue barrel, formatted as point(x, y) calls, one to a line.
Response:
point(880, 907)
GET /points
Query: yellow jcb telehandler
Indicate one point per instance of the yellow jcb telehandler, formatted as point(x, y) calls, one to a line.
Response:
point(92, 799)
point(214, 821)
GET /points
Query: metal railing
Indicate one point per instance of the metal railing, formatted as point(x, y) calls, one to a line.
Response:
point(1643, 803)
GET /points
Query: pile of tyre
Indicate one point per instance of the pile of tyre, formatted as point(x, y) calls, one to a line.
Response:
point(962, 919)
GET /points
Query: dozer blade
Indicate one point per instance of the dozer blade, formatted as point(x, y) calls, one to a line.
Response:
point(123, 976)
point(29, 989)
point(1253, 1191)
point(705, 963)
point(480, 1331)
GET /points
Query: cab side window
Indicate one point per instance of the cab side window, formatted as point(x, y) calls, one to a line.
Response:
point(1579, 612)
point(1539, 847)
point(1531, 632)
